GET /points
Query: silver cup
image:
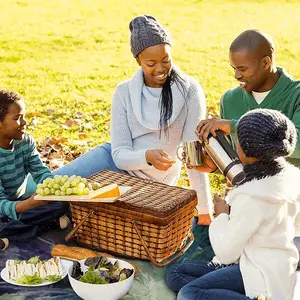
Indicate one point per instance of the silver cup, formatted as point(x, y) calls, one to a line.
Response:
point(192, 150)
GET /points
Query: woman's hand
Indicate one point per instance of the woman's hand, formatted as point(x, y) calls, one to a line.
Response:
point(205, 127)
point(159, 159)
point(220, 205)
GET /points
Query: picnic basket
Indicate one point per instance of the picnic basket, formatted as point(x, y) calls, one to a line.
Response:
point(151, 221)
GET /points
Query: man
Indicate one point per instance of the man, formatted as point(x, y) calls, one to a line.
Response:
point(262, 85)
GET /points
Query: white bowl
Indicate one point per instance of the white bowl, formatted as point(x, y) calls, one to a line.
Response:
point(110, 291)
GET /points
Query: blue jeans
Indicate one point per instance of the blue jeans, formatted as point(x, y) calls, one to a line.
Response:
point(195, 280)
point(89, 163)
point(32, 222)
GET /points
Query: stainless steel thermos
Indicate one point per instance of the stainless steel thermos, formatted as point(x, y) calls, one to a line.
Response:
point(226, 159)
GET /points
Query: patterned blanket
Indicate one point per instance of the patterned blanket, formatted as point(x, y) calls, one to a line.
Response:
point(149, 284)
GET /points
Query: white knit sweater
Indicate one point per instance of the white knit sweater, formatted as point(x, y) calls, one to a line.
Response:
point(259, 233)
point(133, 133)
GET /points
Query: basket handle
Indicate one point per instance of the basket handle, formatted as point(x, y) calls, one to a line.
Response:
point(73, 231)
point(168, 260)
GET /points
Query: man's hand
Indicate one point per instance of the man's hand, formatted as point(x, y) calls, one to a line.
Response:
point(29, 203)
point(205, 127)
point(220, 205)
point(159, 159)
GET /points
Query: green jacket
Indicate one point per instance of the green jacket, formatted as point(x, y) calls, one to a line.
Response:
point(284, 96)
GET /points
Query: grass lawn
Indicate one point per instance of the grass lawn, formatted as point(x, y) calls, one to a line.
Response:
point(66, 56)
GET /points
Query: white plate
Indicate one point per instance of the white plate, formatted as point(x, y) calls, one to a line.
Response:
point(65, 267)
point(84, 198)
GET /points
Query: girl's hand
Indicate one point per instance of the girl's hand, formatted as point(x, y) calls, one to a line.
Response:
point(159, 159)
point(220, 205)
point(207, 166)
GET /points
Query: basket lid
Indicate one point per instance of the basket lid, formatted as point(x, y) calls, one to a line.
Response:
point(146, 196)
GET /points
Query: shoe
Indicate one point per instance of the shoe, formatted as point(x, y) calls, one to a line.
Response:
point(4, 243)
point(64, 222)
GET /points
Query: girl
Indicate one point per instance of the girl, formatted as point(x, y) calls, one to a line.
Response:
point(259, 230)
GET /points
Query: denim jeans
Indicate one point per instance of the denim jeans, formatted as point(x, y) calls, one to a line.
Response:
point(32, 222)
point(200, 280)
point(89, 163)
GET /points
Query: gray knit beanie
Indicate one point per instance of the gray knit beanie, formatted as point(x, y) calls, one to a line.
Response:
point(146, 32)
point(266, 134)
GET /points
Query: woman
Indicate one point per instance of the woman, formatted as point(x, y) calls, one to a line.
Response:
point(152, 114)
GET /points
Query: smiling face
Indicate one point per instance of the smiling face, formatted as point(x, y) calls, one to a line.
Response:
point(13, 126)
point(156, 63)
point(251, 70)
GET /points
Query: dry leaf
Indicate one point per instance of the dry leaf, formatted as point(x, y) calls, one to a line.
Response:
point(70, 123)
point(78, 115)
point(50, 111)
point(83, 136)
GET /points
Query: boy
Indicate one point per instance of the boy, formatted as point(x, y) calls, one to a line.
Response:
point(21, 217)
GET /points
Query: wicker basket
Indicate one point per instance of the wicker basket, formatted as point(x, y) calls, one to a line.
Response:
point(151, 221)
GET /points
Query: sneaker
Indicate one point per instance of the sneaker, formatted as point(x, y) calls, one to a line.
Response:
point(4, 243)
point(64, 222)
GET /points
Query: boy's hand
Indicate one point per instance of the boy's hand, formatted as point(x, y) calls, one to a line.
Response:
point(205, 127)
point(220, 205)
point(160, 159)
point(29, 204)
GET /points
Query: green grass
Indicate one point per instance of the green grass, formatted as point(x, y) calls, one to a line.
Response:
point(69, 55)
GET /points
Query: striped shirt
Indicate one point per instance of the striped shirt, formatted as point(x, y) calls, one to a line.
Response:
point(15, 165)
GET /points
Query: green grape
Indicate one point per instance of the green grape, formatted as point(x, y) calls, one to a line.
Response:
point(57, 178)
point(69, 191)
point(84, 181)
point(80, 192)
point(86, 191)
point(50, 185)
point(40, 186)
point(56, 186)
point(44, 185)
point(67, 184)
point(63, 188)
point(62, 193)
point(52, 191)
point(46, 191)
point(47, 180)
point(72, 177)
point(75, 190)
point(39, 191)
point(95, 186)
point(57, 193)
point(81, 185)
point(74, 183)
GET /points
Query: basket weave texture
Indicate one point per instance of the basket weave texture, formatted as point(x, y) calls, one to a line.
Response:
point(150, 214)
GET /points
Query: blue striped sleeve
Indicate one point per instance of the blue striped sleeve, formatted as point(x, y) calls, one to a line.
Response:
point(7, 207)
point(37, 168)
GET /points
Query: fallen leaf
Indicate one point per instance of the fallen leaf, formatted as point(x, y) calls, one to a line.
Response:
point(50, 111)
point(83, 136)
point(78, 115)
